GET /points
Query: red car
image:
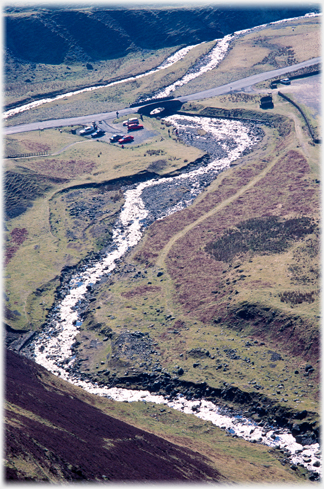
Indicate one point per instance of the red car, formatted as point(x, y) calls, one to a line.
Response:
point(135, 127)
point(126, 139)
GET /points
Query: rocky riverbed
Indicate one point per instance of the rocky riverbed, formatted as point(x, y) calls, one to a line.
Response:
point(144, 202)
point(55, 347)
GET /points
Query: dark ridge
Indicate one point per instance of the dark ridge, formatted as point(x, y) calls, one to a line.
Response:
point(57, 35)
point(65, 438)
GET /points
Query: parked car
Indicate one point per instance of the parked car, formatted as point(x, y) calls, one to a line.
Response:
point(116, 137)
point(126, 139)
point(98, 133)
point(88, 130)
point(285, 81)
point(135, 127)
point(134, 120)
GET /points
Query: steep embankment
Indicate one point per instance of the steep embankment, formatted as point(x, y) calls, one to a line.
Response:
point(64, 438)
point(66, 35)
point(56, 432)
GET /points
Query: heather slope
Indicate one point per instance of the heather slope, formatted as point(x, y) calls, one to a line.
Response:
point(54, 436)
point(56, 432)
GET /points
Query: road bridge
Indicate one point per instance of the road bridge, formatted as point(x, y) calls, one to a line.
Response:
point(237, 85)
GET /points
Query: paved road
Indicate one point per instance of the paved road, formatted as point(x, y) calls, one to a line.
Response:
point(229, 87)
point(248, 82)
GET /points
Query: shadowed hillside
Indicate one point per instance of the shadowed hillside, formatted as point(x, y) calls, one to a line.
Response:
point(54, 436)
point(66, 35)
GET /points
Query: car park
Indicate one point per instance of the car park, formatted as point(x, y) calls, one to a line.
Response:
point(126, 139)
point(116, 137)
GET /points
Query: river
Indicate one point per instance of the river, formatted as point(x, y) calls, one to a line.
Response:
point(144, 203)
point(203, 64)
point(225, 141)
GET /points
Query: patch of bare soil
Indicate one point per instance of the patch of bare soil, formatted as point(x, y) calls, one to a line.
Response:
point(62, 168)
point(10, 253)
point(17, 236)
point(64, 438)
point(279, 55)
point(35, 147)
point(157, 165)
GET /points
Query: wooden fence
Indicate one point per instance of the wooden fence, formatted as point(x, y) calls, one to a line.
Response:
point(27, 155)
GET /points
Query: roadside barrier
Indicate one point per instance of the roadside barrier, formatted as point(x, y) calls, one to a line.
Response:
point(227, 117)
point(310, 129)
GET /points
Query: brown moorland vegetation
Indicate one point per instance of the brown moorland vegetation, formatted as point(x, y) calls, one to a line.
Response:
point(282, 192)
point(53, 436)
point(57, 432)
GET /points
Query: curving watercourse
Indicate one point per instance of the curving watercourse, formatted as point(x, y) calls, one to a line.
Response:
point(144, 203)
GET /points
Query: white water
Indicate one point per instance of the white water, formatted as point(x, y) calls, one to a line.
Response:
point(166, 64)
point(234, 425)
point(54, 344)
point(216, 55)
point(128, 232)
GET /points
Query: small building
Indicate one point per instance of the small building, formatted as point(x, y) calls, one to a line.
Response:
point(266, 102)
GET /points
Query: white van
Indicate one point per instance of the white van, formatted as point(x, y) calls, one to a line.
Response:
point(87, 130)
point(129, 122)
